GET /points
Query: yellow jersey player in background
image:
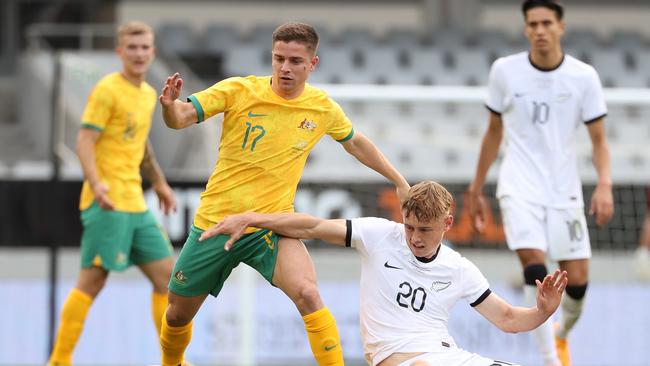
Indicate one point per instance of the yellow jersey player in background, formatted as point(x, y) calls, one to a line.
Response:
point(118, 230)
point(270, 125)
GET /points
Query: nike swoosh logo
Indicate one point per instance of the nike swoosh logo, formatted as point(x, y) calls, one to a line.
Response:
point(519, 95)
point(329, 348)
point(253, 115)
point(389, 266)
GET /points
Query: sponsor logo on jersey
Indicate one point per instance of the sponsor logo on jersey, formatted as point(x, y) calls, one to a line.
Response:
point(438, 286)
point(389, 266)
point(307, 125)
point(253, 115)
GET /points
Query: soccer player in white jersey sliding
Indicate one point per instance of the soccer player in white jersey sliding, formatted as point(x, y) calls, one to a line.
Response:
point(409, 280)
point(539, 99)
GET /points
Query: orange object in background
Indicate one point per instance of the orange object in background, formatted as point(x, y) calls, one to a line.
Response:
point(461, 233)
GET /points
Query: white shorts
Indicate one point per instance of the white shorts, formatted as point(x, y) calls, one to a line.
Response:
point(560, 232)
point(454, 357)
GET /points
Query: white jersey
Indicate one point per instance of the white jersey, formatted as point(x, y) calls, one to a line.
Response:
point(541, 111)
point(405, 303)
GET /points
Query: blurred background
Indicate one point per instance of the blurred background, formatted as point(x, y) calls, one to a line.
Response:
point(410, 74)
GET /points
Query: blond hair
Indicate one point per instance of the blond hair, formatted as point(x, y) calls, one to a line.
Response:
point(297, 32)
point(428, 200)
point(133, 28)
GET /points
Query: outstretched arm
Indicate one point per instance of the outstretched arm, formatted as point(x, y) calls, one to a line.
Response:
point(152, 171)
point(489, 150)
point(294, 225)
point(367, 153)
point(513, 319)
point(602, 201)
point(177, 114)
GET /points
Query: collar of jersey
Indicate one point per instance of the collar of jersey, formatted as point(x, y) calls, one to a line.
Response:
point(530, 60)
point(278, 98)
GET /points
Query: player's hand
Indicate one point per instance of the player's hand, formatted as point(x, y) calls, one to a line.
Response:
point(235, 226)
point(101, 196)
point(402, 191)
point(171, 90)
point(602, 204)
point(549, 291)
point(166, 197)
point(477, 205)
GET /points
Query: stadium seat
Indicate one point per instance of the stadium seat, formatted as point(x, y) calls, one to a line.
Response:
point(492, 40)
point(631, 133)
point(219, 38)
point(402, 39)
point(247, 60)
point(627, 41)
point(449, 38)
point(642, 63)
point(261, 35)
point(611, 67)
point(177, 39)
point(472, 64)
point(428, 63)
point(582, 39)
point(357, 38)
point(334, 65)
point(386, 66)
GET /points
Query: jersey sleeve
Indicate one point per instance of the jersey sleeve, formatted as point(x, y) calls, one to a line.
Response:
point(216, 99)
point(340, 128)
point(99, 108)
point(593, 103)
point(475, 286)
point(496, 92)
point(367, 232)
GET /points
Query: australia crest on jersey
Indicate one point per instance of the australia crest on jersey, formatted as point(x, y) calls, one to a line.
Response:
point(307, 125)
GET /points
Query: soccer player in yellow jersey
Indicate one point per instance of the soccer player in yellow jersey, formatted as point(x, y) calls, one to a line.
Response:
point(118, 230)
point(270, 125)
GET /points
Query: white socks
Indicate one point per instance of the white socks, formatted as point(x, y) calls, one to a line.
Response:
point(543, 336)
point(571, 310)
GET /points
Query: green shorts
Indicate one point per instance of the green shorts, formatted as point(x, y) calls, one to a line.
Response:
point(116, 240)
point(203, 267)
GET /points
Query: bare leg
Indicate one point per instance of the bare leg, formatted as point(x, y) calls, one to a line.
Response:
point(158, 273)
point(295, 275)
point(91, 280)
point(176, 330)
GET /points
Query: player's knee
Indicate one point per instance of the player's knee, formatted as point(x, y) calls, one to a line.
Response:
point(308, 298)
point(160, 284)
point(576, 292)
point(91, 287)
point(176, 316)
point(534, 272)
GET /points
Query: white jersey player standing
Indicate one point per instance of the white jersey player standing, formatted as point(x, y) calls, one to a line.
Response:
point(409, 280)
point(540, 99)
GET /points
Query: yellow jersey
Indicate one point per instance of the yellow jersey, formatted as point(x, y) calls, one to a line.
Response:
point(122, 112)
point(264, 145)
